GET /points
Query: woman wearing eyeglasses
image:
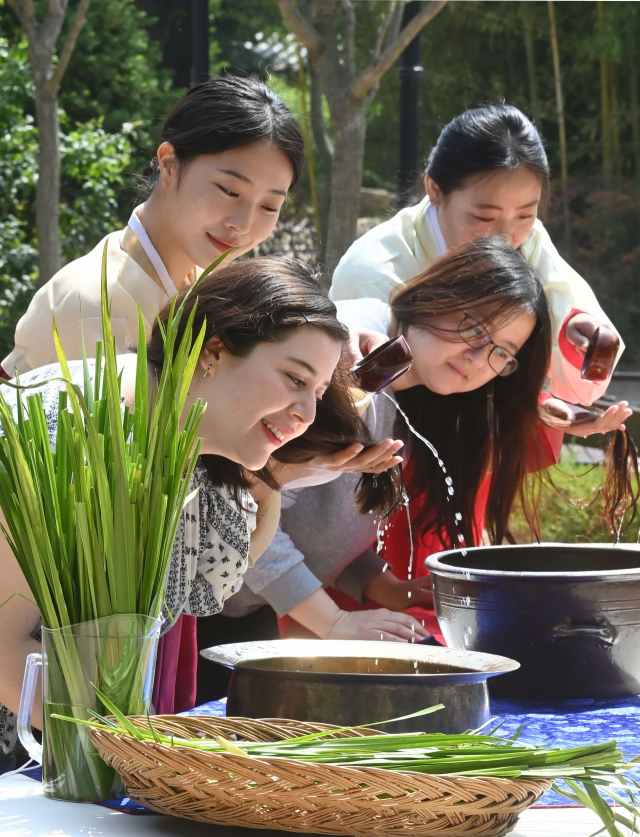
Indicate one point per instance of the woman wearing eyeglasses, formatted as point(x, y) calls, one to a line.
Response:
point(489, 175)
point(478, 326)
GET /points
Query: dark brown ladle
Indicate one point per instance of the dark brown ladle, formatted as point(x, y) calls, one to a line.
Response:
point(601, 354)
point(382, 366)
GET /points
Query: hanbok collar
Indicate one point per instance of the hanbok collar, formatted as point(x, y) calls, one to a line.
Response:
point(431, 215)
point(152, 254)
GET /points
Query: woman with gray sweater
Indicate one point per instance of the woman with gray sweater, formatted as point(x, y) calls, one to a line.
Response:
point(478, 326)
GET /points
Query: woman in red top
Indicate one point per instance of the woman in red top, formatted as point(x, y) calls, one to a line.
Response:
point(473, 393)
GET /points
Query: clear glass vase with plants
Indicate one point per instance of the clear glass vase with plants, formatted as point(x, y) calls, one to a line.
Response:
point(91, 515)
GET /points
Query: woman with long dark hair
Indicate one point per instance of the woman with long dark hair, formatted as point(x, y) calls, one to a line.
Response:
point(479, 329)
point(487, 175)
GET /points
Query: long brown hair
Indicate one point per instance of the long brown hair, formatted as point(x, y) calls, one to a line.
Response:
point(253, 301)
point(489, 429)
point(493, 430)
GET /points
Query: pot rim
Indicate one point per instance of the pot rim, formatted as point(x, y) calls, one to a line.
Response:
point(239, 656)
point(439, 567)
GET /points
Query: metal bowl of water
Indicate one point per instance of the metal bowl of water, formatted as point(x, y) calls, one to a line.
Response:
point(351, 682)
point(570, 614)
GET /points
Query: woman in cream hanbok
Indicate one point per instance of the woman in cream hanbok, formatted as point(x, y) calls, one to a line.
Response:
point(488, 175)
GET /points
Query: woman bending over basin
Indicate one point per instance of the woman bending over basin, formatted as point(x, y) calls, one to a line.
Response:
point(478, 325)
point(267, 372)
point(489, 175)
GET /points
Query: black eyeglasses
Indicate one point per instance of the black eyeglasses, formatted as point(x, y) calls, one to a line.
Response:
point(476, 335)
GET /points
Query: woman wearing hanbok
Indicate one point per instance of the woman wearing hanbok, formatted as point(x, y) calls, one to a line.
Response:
point(230, 151)
point(488, 175)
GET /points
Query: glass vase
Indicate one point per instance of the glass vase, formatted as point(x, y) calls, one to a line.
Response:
point(117, 654)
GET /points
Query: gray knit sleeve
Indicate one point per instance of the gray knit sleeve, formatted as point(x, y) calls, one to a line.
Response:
point(356, 575)
point(280, 575)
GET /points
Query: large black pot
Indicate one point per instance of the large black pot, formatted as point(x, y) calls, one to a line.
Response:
point(569, 614)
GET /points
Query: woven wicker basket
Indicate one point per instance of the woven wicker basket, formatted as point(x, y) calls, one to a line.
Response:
point(278, 793)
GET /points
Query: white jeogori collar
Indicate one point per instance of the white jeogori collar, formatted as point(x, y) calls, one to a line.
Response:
point(154, 257)
point(431, 214)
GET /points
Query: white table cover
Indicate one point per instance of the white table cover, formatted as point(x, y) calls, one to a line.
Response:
point(25, 812)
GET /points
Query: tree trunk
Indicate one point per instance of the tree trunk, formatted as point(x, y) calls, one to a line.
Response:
point(48, 191)
point(349, 130)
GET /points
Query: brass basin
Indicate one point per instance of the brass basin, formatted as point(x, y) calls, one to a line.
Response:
point(350, 682)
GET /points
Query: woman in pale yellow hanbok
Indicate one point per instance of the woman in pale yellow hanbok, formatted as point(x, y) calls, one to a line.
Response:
point(230, 152)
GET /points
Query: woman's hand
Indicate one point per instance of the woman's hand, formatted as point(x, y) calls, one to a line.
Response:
point(389, 591)
point(379, 624)
point(328, 466)
point(580, 330)
point(322, 616)
point(363, 342)
point(611, 419)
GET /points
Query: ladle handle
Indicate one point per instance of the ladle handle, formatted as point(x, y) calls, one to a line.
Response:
point(602, 630)
point(27, 699)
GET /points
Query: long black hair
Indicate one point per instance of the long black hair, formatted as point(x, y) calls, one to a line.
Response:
point(492, 429)
point(484, 140)
point(228, 112)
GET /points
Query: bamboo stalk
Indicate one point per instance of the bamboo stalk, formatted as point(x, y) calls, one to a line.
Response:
point(562, 135)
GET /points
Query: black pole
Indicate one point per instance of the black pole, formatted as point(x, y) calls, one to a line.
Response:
point(410, 73)
point(200, 39)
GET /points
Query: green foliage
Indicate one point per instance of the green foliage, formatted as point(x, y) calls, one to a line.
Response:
point(571, 507)
point(92, 521)
point(113, 73)
point(18, 152)
point(586, 769)
point(92, 166)
point(111, 105)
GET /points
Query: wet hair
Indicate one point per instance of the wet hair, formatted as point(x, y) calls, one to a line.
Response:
point(492, 429)
point(485, 140)
point(229, 112)
point(254, 301)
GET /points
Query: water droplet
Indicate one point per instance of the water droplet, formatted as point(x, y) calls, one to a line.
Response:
point(376, 662)
point(440, 463)
point(423, 623)
point(409, 594)
point(385, 568)
point(381, 636)
point(448, 481)
point(458, 517)
point(450, 490)
point(461, 538)
point(466, 601)
point(409, 576)
point(464, 552)
point(415, 664)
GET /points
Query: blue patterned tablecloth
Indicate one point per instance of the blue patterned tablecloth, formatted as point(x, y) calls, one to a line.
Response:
point(564, 724)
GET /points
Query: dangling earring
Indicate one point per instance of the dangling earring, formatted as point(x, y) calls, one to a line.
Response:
point(207, 372)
